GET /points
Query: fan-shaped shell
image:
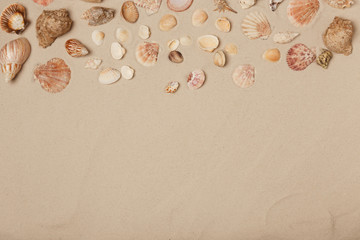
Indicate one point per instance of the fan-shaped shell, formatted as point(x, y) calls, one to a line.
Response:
point(196, 79)
point(338, 36)
point(54, 76)
point(179, 5)
point(244, 76)
point(98, 15)
point(12, 56)
point(43, 2)
point(130, 12)
point(340, 3)
point(12, 19)
point(255, 25)
point(302, 12)
point(75, 48)
point(151, 6)
point(299, 57)
point(147, 53)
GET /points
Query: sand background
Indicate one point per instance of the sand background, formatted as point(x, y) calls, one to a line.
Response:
point(279, 160)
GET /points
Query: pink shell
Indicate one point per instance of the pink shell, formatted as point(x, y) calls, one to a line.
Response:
point(196, 79)
point(244, 76)
point(300, 57)
point(43, 2)
point(151, 6)
point(54, 76)
point(179, 5)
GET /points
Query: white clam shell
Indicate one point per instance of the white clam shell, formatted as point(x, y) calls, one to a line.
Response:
point(199, 17)
point(109, 76)
point(127, 72)
point(98, 37)
point(144, 32)
point(186, 41)
point(285, 37)
point(173, 44)
point(208, 43)
point(117, 51)
point(93, 63)
point(122, 35)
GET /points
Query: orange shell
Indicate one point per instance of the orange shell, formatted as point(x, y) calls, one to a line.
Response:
point(302, 12)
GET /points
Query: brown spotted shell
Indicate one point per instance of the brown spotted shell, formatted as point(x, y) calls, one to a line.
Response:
point(75, 48)
point(98, 15)
point(338, 36)
point(130, 12)
point(13, 19)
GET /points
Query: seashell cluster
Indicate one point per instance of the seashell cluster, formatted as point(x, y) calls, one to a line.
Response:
point(147, 53)
point(255, 25)
point(338, 36)
point(13, 19)
point(244, 76)
point(75, 48)
point(299, 57)
point(98, 15)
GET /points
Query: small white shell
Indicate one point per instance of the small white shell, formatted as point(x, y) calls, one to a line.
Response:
point(186, 41)
point(98, 37)
point(208, 43)
point(93, 63)
point(127, 72)
point(199, 17)
point(117, 51)
point(285, 37)
point(123, 35)
point(173, 44)
point(144, 32)
point(109, 76)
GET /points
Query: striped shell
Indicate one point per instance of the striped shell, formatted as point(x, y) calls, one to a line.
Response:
point(255, 25)
point(299, 57)
point(302, 12)
point(43, 2)
point(151, 6)
point(340, 3)
point(196, 79)
point(12, 19)
point(75, 48)
point(54, 76)
point(129, 12)
point(244, 76)
point(147, 53)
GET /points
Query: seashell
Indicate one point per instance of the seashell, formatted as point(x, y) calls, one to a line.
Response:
point(299, 57)
point(231, 49)
point(179, 5)
point(122, 35)
point(167, 22)
point(98, 37)
point(151, 6)
point(43, 2)
point(186, 41)
point(109, 76)
point(340, 3)
point(98, 15)
point(196, 79)
point(176, 57)
point(255, 25)
point(75, 48)
point(245, 4)
point(144, 32)
point(12, 56)
point(285, 37)
point(244, 76)
point(172, 87)
point(173, 44)
point(324, 58)
point(208, 43)
point(222, 6)
point(338, 36)
point(223, 24)
point(302, 12)
point(54, 76)
point(220, 59)
point(272, 55)
point(129, 12)
point(117, 51)
point(93, 63)
point(127, 72)
point(93, 1)
point(147, 53)
point(12, 19)
point(274, 4)
point(51, 25)
point(199, 17)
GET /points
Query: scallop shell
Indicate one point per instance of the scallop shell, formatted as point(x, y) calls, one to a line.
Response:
point(272, 55)
point(255, 25)
point(151, 6)
point(12, 56)
point(123, 35)
point(244, 76)
point(147, 53)
point(109, 76)
point(93, 63)
point(220, 58)
point(75, 48)
point(299, 57)
point(144, 32)
point(52, 24)
point(130, 12)
point(199, 17)
point(231, 49)
point(127, 72)
point(98, 37)
point(98, 15)
point(117, 51)
point(196, 79)
point(340, 3)
point(245, 4)
point(302, 12)
point(338, 36)
point(13, 19)
point(43, 2)
point(54, 76)
point(208, 43)
point(167, 22)
point(172, 87)
point(179, 5)
point(285, 37)
point(223, 24)
point(173, 44)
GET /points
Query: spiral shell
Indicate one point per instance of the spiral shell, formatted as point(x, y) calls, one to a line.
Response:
point(255, 25)
point(75, 48)
point(12, 19)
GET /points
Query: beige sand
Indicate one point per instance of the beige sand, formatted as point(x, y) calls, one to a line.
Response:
point(279, 160)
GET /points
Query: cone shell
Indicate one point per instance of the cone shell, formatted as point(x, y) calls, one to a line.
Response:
point(179, 5)
point(199, 17)
point(130, 12)
point(223, 24)
point(302, 12)
point(196, 79)
point(244, 76)
point(147, 53)
point(151, 6)
point(98, 15)
point(208, 43)
point(75, 48)
point(172, 87)
point(12, 56)
point(285, 37)
point(338, 36)
point(44, 3)
point(340, 3)
point(255, 25)
point(167, 22)
point(272, 55)
point(54, 76)
point(299, 57)
point(12, 19)
point(109, 76)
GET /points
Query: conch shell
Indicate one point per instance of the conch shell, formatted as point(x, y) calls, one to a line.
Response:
point(12, 56)
point(51, 25)
point(338, 36)
point(13, 19)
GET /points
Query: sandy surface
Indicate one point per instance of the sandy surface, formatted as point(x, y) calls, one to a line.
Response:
point(277, 161)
